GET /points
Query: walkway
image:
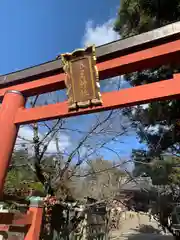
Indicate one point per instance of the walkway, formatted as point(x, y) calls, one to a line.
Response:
point(129, 230)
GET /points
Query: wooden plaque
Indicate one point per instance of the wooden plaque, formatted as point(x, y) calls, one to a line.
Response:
point(82, 79)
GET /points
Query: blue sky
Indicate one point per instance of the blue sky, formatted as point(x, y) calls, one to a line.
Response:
point(36, 31)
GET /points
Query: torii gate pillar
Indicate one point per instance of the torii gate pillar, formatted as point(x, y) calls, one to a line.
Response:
point(13, 100)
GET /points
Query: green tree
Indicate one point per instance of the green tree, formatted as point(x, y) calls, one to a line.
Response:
point(21, 178)
point(135, 17)
point(163, 170)
point(138, 16)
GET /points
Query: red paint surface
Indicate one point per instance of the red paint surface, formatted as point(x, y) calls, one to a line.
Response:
point(162, 90)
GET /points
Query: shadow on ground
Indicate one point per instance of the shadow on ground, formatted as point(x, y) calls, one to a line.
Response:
point(152, 236)
point(144, 228)
point(148, 232)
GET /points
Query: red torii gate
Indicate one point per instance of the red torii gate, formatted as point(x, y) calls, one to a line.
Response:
point(147, 50)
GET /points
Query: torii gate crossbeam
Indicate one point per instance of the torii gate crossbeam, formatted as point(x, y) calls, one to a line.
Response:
point(163, 90)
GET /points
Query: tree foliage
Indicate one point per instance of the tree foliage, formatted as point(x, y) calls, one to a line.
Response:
point(159, 121)
point(136, 17)
point(139, 16)
point(163, 170)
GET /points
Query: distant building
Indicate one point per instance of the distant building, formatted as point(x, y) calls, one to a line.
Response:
point(136, 193)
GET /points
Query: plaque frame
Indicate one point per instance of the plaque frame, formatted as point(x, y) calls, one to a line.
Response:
point(91, 87)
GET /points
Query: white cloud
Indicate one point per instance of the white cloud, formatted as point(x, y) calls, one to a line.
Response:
point(99, 34)
point(144, 106)
point(156, 128)
point(26, 138)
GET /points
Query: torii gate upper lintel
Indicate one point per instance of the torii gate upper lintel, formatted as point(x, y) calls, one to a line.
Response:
point(151, 49)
